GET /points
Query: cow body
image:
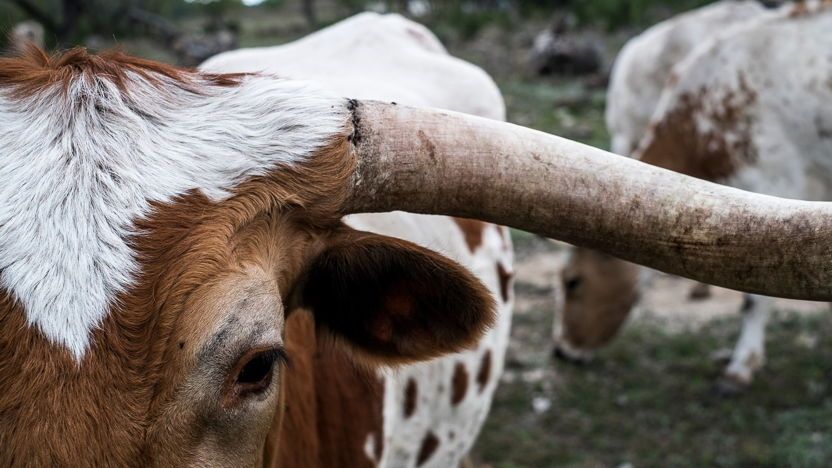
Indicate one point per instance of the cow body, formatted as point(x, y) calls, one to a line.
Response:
point(644, 65)
point(759, 125)
point(430, 413)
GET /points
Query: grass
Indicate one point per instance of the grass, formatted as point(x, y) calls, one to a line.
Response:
point(648, 400)
point(566, 107)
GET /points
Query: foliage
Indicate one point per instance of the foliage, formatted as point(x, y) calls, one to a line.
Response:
point(614, 14)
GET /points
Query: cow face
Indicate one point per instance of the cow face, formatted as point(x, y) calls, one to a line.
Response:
point(158, 228)
point(189, 369)
point(598, 292)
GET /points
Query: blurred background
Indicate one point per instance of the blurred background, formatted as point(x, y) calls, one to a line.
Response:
point(649, 398)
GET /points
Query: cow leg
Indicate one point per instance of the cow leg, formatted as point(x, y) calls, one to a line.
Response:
point(749, 352)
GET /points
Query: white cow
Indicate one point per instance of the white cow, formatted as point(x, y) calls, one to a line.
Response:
point(727, 116)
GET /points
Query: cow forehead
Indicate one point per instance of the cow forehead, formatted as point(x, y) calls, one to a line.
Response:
point(81, 160)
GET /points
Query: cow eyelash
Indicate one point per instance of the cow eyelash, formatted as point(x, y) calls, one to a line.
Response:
point(280, 356)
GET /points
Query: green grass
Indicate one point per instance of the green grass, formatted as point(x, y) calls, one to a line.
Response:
point(565, 107)
point(649, 400)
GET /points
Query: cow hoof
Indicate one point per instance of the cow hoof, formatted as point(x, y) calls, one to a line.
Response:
point(722, 356)
point(727, 387)
point(700, 292)
point(559, 354)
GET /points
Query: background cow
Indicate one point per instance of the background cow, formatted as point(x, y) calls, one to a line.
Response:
point(750, 126)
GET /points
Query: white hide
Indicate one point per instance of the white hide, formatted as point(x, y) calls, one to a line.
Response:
point(779, 69)
point(78, 168)
point(788, 118)
point(644, 65)
point(389, 58)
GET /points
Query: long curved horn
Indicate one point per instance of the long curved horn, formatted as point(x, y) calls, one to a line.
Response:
point(439, 162)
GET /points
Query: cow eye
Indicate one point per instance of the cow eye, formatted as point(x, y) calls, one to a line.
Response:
point(572, 284)
point(253, 373)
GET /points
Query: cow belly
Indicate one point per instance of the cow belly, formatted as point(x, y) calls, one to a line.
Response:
point(433, 411)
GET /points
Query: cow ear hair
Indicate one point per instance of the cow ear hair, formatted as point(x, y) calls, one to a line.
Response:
point(391, 301)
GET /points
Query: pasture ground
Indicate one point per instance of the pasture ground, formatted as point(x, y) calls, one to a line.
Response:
point(648, 400)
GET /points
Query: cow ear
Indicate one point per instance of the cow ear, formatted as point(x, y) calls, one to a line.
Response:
point(392, 301)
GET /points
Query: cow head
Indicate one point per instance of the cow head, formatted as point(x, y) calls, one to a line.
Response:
point(598, 291)
point(159, 226)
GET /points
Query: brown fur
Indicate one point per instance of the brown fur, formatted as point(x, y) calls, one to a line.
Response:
point(388, 305)
point(128, 402)
point(429, 445)
point(600, 292)
point(459, 384)
point(675, 143)
point(411, 396)
point(34, 71)
point(505, 281)
point(484, 372)
point(473, 231)
point(350, 409)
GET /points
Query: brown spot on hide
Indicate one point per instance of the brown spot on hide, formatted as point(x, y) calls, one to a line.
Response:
point(429, 445)
point(411, 395)
point(748, 302)
point(459, 384)
point(676, 142)
point(484, 371)
point(472, 230)
point(505, 280)
point(798, 9)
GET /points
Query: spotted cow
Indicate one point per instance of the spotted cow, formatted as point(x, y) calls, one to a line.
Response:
point(750, 125)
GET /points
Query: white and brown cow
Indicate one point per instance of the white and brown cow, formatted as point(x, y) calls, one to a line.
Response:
point(168, 237)
point(429, 413)
point(643, 66)
point(728, 116)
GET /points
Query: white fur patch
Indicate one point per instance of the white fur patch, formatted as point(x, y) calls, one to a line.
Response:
point(76, 171)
